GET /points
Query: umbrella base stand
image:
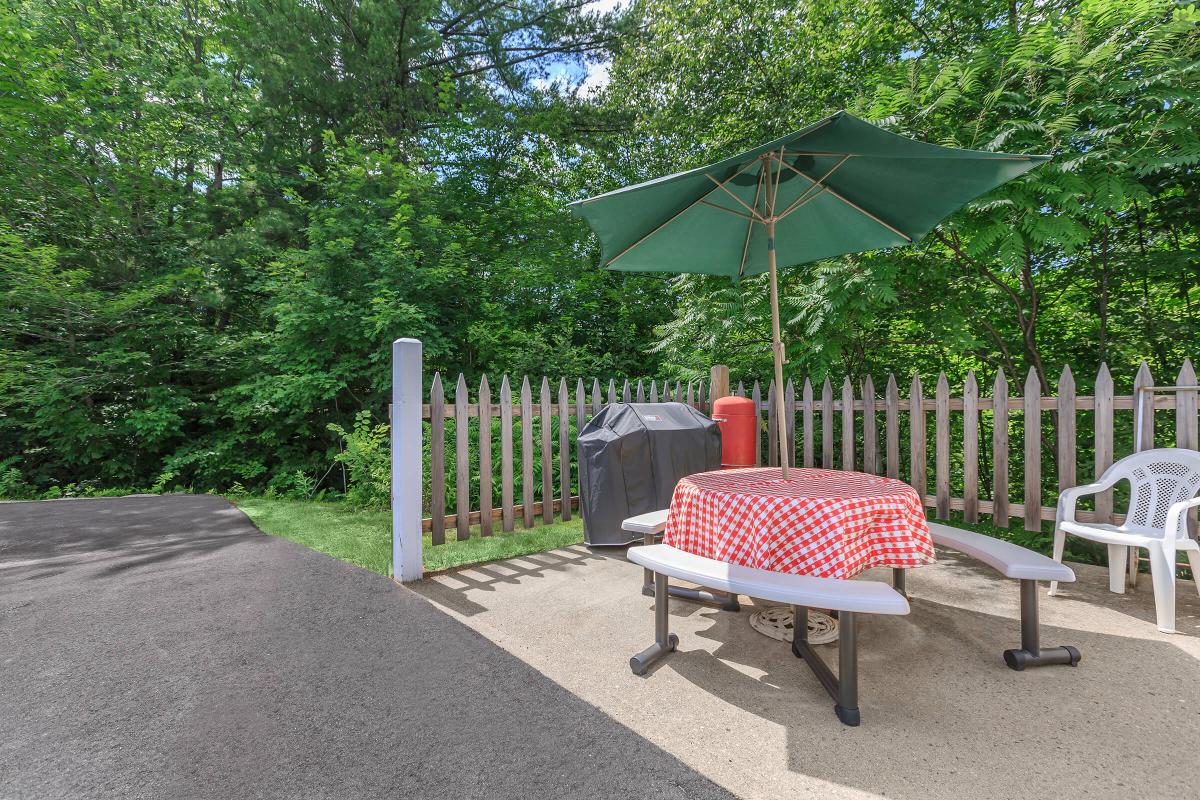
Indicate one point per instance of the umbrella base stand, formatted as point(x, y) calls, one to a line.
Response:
point(778, 622)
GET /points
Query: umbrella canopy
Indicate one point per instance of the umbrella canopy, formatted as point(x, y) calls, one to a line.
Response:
point(837, 186)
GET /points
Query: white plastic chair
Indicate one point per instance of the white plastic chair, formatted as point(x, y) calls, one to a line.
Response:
point(1162, 487)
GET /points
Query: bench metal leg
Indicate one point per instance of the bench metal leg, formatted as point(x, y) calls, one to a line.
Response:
point(1031, 654)
point(844, 688)
point(727, 602)
point(664, 640)
point(898, 581)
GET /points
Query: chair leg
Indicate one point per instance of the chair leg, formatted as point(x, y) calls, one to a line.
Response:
point(1162, 572)
point(1117, 555)
point(1133, 569)
point(1060, 542)
point(1194, 562)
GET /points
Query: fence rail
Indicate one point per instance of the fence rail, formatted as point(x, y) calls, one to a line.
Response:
point(526, 440)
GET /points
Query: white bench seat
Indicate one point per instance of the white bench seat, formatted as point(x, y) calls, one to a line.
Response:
point(848, 597)
point(653, 523)
point(1010, 560)
point(871, 597)
point(1022, 564)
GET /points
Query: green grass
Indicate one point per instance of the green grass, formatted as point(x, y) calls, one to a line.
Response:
point(364, 538)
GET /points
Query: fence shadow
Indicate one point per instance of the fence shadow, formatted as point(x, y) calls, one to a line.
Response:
point(449, 588)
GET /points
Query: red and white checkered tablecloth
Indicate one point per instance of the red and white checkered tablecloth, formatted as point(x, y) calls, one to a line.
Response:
point(826, 523)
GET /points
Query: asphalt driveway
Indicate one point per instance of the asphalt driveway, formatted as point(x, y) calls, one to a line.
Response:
point(161, 647)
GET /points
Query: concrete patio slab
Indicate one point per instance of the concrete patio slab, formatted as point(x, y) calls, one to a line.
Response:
point(942, 716)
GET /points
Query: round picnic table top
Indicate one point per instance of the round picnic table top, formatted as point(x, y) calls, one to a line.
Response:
point(819, 522)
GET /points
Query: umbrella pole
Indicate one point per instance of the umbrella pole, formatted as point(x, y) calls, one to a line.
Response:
point(777, 348)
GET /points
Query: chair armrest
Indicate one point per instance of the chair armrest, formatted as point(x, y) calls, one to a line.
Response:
point(1177, 518)
point(1069, 497)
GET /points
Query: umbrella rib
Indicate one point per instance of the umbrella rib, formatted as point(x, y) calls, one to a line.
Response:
point(735, 212)
point(854, 205)
point(804, 196)
point(721, 185)
point(750, 228)
point(690, 206)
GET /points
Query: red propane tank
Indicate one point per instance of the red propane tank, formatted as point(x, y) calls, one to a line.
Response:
point(738, 420)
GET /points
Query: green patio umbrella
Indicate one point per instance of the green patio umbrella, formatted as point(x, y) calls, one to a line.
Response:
point(837, 186)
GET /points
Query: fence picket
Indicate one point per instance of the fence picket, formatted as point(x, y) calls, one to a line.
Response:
point(485, 457)
point(807, 395)
point(891, 426)
point(691, 397)
point(653, 391)
point(789, 412)
point(597, 397)
point(916, 437)
point(526, 453)
point(827, 425)
point(546, 434)
point(641, 393)
point(772, 431)
point(1104, 439)
point(741, 389)
point(848, 448)
point(564, 449)
point(506, 456)
point(678, 392)
point(1144, 378)
point(971, 449)
point(1032, 422)
point(1185, 419)
point(870, 436)
point(1185, 407)
point(756, 396)
point(1000, 451)
point(941, 446)
point(462, 461)
point(437, 459)
point(612, 391)
point(1065, 443)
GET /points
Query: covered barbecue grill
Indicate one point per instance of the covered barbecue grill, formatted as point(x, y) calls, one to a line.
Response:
point(631, 455)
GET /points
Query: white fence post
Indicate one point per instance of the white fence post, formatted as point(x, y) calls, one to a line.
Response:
point(406, 459)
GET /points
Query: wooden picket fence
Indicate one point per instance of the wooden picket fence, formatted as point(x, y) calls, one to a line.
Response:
point(973, 469)
point(544, 450)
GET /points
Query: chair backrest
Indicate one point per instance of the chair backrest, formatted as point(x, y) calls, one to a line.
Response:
point(1157, 480)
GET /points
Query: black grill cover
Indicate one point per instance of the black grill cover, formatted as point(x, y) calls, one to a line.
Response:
point(631, 455)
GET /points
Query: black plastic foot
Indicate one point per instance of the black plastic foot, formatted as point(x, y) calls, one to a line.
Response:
point(642, 662)
point(848, 716)
point(1020, 659)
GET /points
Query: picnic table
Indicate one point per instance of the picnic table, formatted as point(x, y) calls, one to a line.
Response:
point(818, 522)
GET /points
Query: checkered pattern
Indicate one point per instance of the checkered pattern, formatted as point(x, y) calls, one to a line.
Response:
point(826, 523)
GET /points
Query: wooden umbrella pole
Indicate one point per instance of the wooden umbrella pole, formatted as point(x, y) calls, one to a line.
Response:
point(776, 335)
point(777, 347)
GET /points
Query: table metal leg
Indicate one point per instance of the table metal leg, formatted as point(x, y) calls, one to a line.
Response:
point(727, 601)
point(664, 640)
point(844, 688)
point(1031, 654)
point(898, 581)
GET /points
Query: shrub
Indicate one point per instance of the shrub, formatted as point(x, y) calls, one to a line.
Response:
point(367, 456)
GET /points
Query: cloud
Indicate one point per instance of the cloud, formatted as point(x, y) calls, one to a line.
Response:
point(596, 79)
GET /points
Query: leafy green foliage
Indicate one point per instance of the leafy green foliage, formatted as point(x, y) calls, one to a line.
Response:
point(368, 458)
point(215, 217)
